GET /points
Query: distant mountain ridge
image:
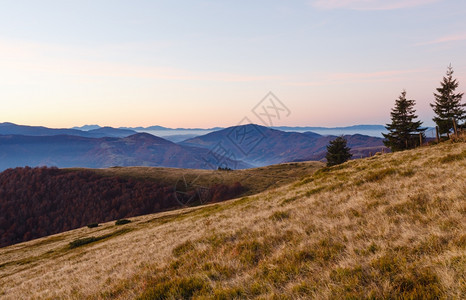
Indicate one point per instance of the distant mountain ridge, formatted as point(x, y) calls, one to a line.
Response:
point(86, 127)
point(235, 147)
point(259, 145)
point(14, 129)
point(140, 149)
point(371, 130)
point(311, 128)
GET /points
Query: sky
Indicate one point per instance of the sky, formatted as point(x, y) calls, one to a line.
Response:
point(212, 63)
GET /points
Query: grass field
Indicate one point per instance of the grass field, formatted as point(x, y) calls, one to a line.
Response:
point(389, 226)
point(255, 180)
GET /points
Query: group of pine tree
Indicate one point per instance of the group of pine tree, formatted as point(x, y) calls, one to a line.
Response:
point(405, 131)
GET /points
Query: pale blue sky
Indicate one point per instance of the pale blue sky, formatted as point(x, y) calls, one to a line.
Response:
point(207, 63)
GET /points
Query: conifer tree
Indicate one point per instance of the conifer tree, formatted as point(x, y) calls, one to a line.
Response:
point(337, 152)
point(403, 132)
point(447, 105)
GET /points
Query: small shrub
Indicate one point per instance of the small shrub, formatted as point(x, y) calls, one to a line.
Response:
point(93, 225)
point(122, 222)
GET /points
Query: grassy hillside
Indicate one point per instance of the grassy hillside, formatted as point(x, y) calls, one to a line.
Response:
point(390, 226)
point(42, 201)
point(254, 180)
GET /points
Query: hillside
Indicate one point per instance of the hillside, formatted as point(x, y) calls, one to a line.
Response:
point(92, 131)
point(237, 147)
point(260, 145)
point(36, 202)
point(66, 151)
point(389, 226)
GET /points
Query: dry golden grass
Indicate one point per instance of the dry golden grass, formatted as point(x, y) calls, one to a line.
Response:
point(390, 226)
point(255, 180)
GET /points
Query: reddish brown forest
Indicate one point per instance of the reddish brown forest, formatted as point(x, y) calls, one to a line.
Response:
point(36, 202)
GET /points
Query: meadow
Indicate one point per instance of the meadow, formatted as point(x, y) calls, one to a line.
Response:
point(388, 226)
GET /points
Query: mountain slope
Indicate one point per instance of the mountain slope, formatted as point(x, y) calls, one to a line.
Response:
point(381, 227)
point(14, 129)
point(63, 151)
point(259, 145)
point(110, 132)
point(256, 144)
point(37, 202)
point(235, 147)
point(370, 130)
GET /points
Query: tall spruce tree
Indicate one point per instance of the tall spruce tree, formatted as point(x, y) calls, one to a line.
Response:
point(403, 132)
point(447, 105)
point(337, 152)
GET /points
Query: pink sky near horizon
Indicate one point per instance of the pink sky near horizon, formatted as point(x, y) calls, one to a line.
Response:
point(332, 63)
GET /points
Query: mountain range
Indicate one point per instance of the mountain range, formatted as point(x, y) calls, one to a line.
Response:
point(95, 132)
point(235, 147)
point(166, 132)
point(259, 145)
